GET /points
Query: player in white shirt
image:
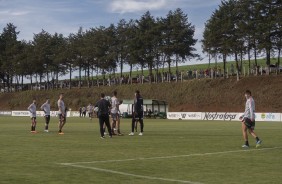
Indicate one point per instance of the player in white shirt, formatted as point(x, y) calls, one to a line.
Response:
point(248, 120)
point(90, 111)
point(115, 114)
point(46, 108)
point(32, 110)
point(61, 113)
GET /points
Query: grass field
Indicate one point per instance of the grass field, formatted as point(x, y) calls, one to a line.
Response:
point(169, 152)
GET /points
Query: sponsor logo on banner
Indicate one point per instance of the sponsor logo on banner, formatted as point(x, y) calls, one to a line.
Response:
point(184, 115)
point(173, 115)
point(268, 117)
point(220, 116)
point(20, 113)
point(5, 113)
point(27, 113)
point(224, 116)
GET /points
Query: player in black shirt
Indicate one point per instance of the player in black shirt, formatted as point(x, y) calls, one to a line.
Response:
point(103, 115)
point(137, 112)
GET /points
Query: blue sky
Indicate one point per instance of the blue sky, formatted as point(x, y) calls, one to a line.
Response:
point(66, 16)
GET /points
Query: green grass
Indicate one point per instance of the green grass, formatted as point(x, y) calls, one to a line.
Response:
point(28, 158)
point(185, 68)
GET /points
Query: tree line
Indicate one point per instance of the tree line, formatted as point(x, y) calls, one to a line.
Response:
point(242, 28)
point(148, 42)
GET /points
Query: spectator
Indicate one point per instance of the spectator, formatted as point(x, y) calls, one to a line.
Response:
point(80, 111)
point(84, 111)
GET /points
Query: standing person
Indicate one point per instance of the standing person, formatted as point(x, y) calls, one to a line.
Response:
point(90, 111)
point(137, 113)
point(248, 120)
point(84, 111)
point(115, 114)
point(32, 110)
point(46, 108)
point(80, 112)
point(103, 115)
point(61, 113)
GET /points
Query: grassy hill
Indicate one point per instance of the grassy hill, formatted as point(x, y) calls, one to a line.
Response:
point(194, 95)
point(185, 68)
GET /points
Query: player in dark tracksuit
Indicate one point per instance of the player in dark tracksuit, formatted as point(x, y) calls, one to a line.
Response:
point(103, 115)
point(137, 114)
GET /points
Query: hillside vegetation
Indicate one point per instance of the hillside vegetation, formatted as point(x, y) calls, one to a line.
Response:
point(195, 95)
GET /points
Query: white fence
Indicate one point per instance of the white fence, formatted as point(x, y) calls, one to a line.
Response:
point(224, 116)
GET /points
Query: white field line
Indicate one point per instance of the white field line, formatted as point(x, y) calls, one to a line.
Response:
point(176, 156)
point(132, 175)
point(153, 158)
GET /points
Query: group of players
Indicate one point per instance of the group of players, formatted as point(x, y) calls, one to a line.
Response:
point(110, 107)
point(105, 108)
point(46, 108)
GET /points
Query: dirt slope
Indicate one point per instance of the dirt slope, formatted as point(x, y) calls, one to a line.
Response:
point(197, 95)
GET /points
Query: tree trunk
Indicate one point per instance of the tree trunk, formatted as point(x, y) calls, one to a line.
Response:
point(209, 61)
point(249, 60)
point(241, 58)
point(237, 65)
point(85, 75)
point(224, 66)
point(88, 74)
point(268, 60)
point(70, 76)
point(31, 82)
point(40, 80)
point(169, 62)
point(151, 72)
point(8, 83)
point(121, 67)
point(79, 82)
point(22, 82)
point(255, 55)
point(278, 60)
point(57, 79)
point(130, 74)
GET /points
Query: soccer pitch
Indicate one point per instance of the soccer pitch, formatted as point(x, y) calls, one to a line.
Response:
point(207, 152)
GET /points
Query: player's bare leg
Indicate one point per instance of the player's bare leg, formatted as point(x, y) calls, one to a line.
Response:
point(62, 122)
point(252, 133)
point(245, 135)
point(113, 126)
point(118, 126)
point(258, 141)
point(33, 125)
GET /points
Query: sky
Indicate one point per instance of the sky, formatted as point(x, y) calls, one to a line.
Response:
point(66, 16)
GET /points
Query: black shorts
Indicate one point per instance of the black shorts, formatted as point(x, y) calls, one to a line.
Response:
point(33, 118)
point(47, 117)
point(61, 117)
point(249, 123)
point(138, 115)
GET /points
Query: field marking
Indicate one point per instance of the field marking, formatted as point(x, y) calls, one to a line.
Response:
point(176, 156)
point(76, 164)
point(132, 175)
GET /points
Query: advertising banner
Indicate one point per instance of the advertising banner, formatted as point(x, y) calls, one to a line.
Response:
point(224, 116)
point(38, 113)
point(184, 115)
point(5, 113)
point(268, 117)
point(20, 113)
